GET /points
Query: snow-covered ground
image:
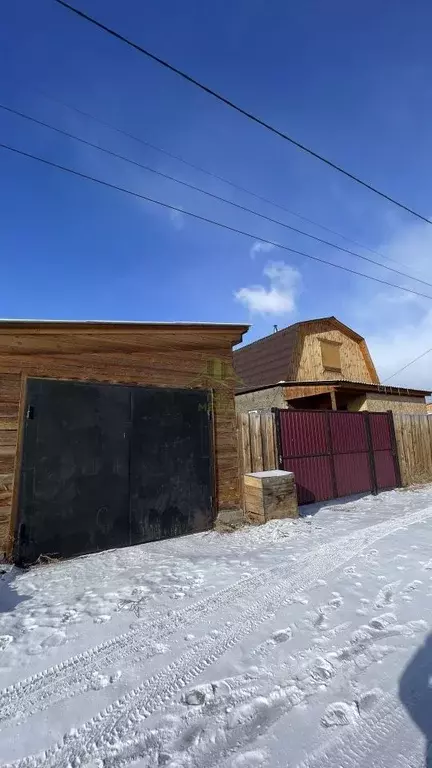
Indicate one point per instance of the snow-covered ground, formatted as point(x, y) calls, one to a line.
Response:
point(295, 644)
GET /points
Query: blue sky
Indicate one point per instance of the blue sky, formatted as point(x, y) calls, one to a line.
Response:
point(351, 80)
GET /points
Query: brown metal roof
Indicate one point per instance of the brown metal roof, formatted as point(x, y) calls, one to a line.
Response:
point(267, 360)
point(271, 359)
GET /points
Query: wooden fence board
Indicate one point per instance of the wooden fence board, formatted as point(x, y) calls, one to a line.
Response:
point(414, 443)
point(256, 441)
point(268, 440)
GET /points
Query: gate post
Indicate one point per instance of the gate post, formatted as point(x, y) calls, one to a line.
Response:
point(277, 428)
point(394, 446)
point(374, 484)
point(331, 454)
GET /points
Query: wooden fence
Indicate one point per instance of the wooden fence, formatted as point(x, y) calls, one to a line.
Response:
point(257, 441)
point(257, 444)
point(414, 444)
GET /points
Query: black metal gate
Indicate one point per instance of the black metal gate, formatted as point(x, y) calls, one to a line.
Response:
point(107, 466)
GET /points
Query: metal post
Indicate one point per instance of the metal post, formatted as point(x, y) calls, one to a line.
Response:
point(331, 454)
point(276, 412)
point(372, 469)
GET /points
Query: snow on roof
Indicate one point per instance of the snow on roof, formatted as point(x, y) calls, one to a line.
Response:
point(120, 322)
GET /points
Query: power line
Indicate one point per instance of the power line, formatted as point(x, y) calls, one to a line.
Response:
point(198, 217)
point(408, 365)
point(239, 109)
point(214, 175)
point(207, 193)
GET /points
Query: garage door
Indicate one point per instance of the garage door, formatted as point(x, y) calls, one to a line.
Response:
point(107, 466)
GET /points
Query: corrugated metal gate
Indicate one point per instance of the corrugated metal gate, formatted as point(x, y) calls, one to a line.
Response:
point(335, 453)
point(109, 465)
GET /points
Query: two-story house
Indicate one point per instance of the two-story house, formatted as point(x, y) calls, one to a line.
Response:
point(317, 364)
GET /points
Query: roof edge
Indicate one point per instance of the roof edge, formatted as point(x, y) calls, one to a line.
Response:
point(381, 389)
point(302, 323)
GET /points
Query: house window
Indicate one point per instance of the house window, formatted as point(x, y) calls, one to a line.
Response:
point(330, 353)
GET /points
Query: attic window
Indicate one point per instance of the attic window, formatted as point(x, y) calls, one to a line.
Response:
point(330, 353)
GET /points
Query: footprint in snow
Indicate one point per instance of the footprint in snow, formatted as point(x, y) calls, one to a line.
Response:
point(413, 585)
point(368, 700)
point(201, 694)
point(5, 640)
point(382, 622)
point(350, 570)
point(339, 713)
point(99, 681)
point(298, 598)
point(385, 595)
point(54, 640)
point(282, 635)
point(254, 759)
point(336, 601)
point(319, 621)
point(322, 670)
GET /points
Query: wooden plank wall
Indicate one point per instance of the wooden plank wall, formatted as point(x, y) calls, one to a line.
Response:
point(414, 444)
point(256, 441)
point(10, 387)
point(353, 354)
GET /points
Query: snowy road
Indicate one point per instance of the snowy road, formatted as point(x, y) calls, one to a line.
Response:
point(299, 643)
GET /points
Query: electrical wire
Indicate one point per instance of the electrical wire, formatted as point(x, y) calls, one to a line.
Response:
point(237, 108)
point(213, 175)
point(408, 365)
point(207, 193)
point(207, 220)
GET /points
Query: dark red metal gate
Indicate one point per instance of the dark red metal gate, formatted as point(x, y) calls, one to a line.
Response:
point(335, 453)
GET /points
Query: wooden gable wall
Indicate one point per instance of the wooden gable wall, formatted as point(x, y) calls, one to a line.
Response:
point(356, 364)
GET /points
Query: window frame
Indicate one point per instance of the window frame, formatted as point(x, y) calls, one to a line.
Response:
point(335, 344)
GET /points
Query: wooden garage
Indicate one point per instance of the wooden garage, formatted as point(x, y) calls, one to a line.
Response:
point(113, 434)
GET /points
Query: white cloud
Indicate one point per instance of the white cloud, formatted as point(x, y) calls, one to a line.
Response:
point(177, 219)
point(276, 299)
point(259, 247)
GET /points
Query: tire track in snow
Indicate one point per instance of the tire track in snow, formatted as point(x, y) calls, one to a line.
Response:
point(223, 729)
point(112, 724)
point(382, 741)
point(76, 675)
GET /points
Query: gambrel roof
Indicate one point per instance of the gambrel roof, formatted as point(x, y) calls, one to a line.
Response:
point(274, 358)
